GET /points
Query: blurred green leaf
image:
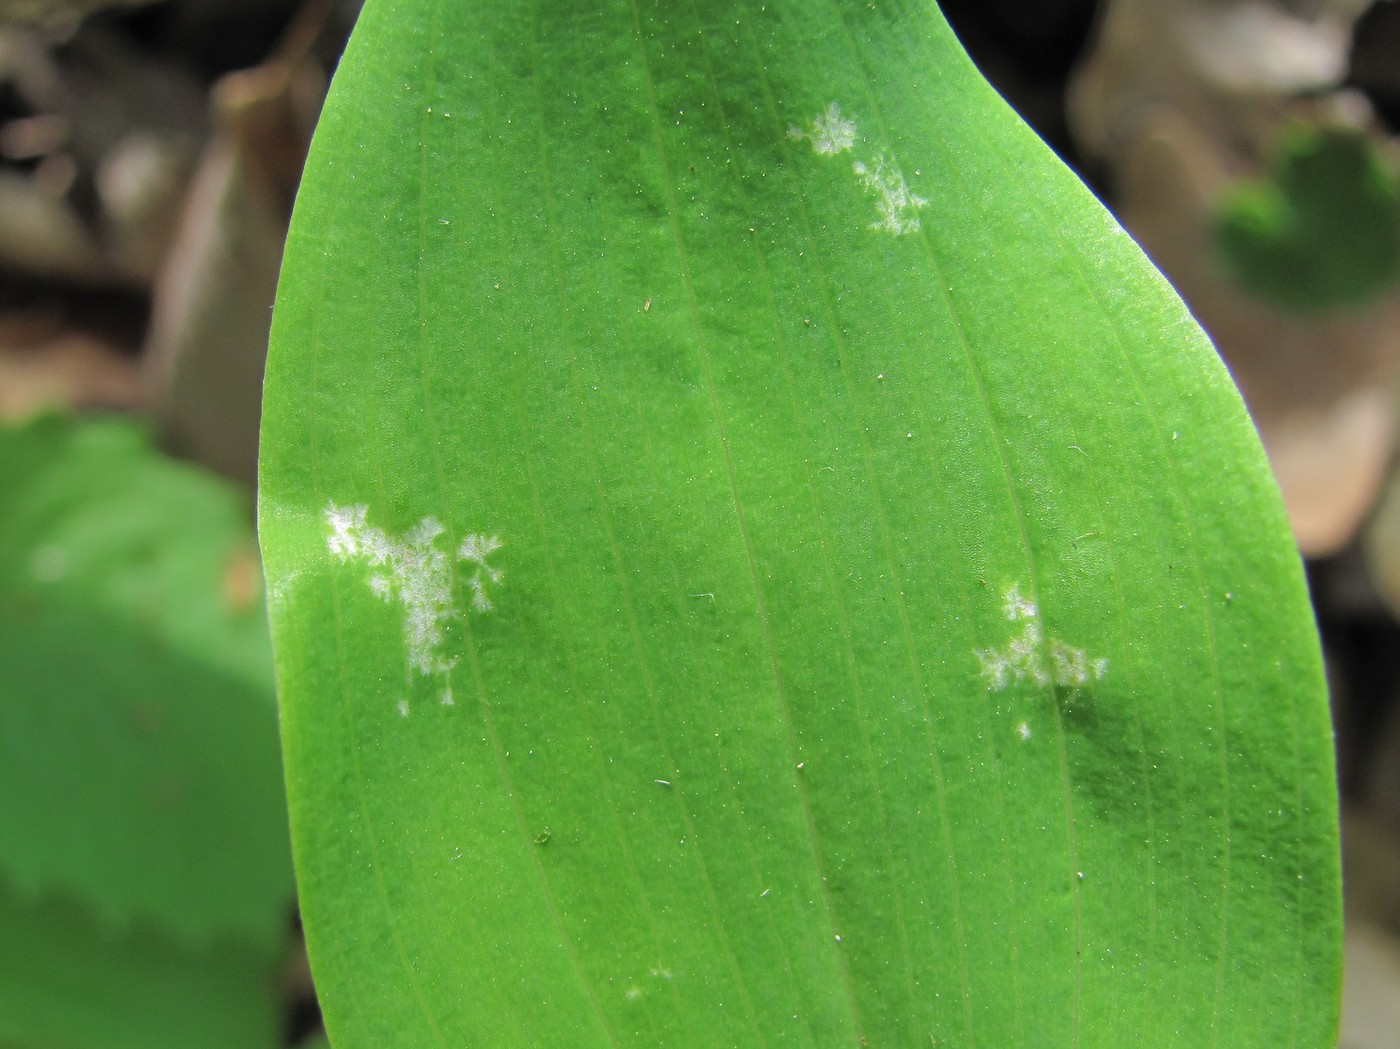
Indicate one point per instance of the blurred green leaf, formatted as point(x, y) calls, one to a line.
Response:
point(138, 740)
point(1323, 232)
point(68, 980)
point(758, 557)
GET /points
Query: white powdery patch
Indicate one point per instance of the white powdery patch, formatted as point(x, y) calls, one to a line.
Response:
point(475, 549)
point(898, 207)
point(416, 573)
point(1029, 657)
point(830, 132)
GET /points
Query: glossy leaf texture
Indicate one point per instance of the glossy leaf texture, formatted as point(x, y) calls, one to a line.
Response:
point(759, 558)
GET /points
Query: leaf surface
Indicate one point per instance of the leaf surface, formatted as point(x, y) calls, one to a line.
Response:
point(759, 558)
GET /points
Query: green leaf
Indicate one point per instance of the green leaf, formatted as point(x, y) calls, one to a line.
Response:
point(138, 747)
point(758, 557)
point(68, 979)
point(1323, 233)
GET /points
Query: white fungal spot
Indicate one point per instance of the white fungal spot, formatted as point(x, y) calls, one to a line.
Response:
point(830, 132)
point(898, 207)
point(1024, 730)
point(347, 526)
point(1017, 607)
point(475, 549)
point(1028, 656)
point(415, 573)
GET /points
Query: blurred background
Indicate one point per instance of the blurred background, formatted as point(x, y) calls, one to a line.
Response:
point(149, 156)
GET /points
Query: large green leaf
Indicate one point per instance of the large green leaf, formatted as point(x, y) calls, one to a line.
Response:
point(758, 557)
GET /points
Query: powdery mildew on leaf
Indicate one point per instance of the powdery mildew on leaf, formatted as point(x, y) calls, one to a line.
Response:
point(416, 573)
point(898, 207)
point(831, 133)
point(475, 549)
point(1028, 656)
